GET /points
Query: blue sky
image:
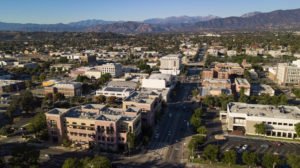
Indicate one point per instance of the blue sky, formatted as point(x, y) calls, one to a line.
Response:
point(55, 11)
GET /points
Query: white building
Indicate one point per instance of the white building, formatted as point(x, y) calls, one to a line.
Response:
point(118, 92)
point(279, 120)
point(231, 53)
point(170, 64)
point(158, 81)
point(115, 69)
point(288, 74)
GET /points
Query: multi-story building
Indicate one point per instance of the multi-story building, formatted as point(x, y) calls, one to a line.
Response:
point(215, 87)
point(115, 69)
point(242, 83)
point(259, 89)
point(61, 67)
point(207, 74)
point(149, 101)
point(170, 64)
point(279, 120)
point(231, 68)
point(288, 74)
point(11, 85)
point(94, 124)
point(159, 81)
point(69, 89)
point(118, 92)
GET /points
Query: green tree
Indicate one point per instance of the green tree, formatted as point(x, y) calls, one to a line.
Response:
point(24, 156)
point(37, 123)
point(131, 140)
point(293, 160)
point(195, 142)
point(260, 128)
point(195, 121)
point(100, 99)
point(111, 99)
point(58, 97)
point(249, 158)
point(211, 153)
point(270, 161)
point(230, 157)
point(71, 163)
point(27, 101)
point(209, 101)
point(12, 108)
point(297, 129)
point(195, 92)
point(97, 162)
point(202, 130)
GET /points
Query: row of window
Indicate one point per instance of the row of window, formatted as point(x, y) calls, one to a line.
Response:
point(279, 123)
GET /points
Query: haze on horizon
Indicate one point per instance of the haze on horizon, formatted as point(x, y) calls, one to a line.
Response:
point(65, 11)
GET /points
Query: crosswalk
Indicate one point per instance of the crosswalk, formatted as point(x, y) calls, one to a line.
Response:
point(159, 148)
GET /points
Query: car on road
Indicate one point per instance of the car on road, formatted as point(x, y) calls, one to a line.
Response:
point(245, 147)
point(264, 145)
point(278, 144)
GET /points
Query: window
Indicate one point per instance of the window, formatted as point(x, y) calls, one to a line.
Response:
point(279, 123)
point(274, 123)
point(285, 124)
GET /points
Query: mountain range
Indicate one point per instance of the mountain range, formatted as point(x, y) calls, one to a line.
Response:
point(275, 20)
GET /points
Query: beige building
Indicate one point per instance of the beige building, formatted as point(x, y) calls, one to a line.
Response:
point(280, 121)
point(94, 125)
point(148, 101)
point(69, 89)
point(242, 83)
point(288, 74)
point(170, 64)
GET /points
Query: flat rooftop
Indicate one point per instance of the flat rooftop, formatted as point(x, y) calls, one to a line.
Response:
point(116, 89)
point(225, 81)
point(242, 81)
point(258, 110)
point(97, 112)
point(166, 77)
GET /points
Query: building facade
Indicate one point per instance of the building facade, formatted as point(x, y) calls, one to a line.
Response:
point(93, 124)
point(279, 121)
point(170, 64)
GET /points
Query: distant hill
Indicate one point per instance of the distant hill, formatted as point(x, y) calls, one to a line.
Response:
point(280, 19)
point(180, 19)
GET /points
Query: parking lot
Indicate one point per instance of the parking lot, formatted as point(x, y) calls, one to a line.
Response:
point(260, 146)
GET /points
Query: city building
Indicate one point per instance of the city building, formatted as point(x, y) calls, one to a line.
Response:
point(260, 89)
point(61, 67)
point(149, 101)
point(215, 87)
point(170, 64)
point(231, 53)
point(242, 83)
point(207, 74)
point(118, 92)
point(115, 69)
point(288, 74)
point(279, 120)
point(159, 81)
point(11, 85)
point(231, 68)
point(94, 125)
point(69, 89)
